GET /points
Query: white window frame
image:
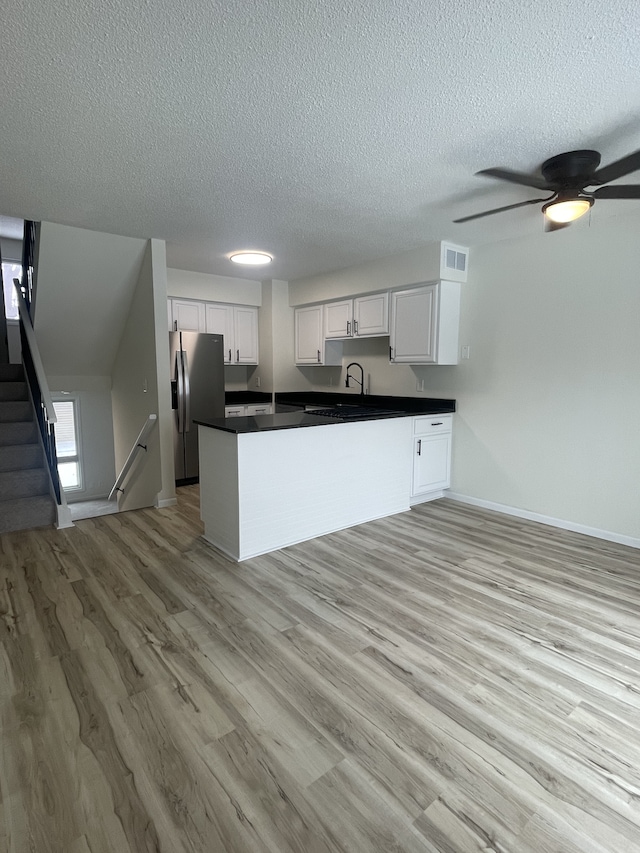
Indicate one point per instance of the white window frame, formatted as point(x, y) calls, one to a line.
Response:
point(61, 397)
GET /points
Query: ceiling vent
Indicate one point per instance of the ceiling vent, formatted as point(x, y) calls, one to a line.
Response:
point(454, 261)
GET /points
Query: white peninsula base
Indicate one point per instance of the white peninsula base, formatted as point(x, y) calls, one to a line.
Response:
point(260, 491)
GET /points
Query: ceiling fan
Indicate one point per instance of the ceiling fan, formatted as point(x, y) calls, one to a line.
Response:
point(567, 177)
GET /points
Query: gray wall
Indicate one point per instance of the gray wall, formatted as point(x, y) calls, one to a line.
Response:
point(140, 387)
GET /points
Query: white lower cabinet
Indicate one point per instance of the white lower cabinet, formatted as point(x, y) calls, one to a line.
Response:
point(431, 456)
point(248, 410)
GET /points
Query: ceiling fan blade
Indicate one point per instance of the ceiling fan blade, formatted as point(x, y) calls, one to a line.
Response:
point(501, 209)
point(517, 178)
point(619, 191)
point(624, 166)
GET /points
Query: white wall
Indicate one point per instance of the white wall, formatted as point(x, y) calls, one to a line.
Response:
point(277, 369)
point(85, 281)
point(549, 402)
point(141, 386)
point(93, 395)
point(421, 264)
point(11, 250)
point(213, 288)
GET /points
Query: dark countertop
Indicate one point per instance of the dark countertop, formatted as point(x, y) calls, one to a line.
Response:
point(410, 405)
point(287, 420)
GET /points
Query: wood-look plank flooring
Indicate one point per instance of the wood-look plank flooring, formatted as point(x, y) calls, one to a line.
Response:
point(445, 680)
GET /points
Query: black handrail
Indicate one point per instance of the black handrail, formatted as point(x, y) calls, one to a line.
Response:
point(46, 426)
point(28, 257)
point(4, 339)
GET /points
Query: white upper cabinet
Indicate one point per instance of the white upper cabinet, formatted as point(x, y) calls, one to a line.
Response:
point(238, 325)
point(371, 315)
point(187, 316)
point(424, 324)
point(219, 321)
point(310, 345)
point(245, 327)
point(338, 319)
point(360, 317)
point(308, 334)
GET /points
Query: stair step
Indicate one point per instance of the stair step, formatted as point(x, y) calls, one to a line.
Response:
point(15, 411)
point(13, 391)
point(25, 513)
point(23, 484)
point(18, 432)
point(11, 373)
point(15, 457)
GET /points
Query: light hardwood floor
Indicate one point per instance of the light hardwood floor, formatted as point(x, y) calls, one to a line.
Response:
point(445, 680)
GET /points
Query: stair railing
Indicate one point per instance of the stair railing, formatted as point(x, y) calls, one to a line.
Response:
point(28, 274)
point(40, 394)
point(4, 341)
point(140, 444)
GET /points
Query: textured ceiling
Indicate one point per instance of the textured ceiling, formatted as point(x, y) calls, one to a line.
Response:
point(326, 134)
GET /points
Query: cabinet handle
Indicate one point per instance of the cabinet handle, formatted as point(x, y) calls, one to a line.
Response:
point(229, 355)
point(438, 423)
point(348, 327)
point(318, 356)
point(237, 355)
point(175, 325)
point(390, 353)
point(355, 327)
point(419, 447)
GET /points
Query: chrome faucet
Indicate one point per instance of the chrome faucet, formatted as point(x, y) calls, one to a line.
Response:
point(361, 381)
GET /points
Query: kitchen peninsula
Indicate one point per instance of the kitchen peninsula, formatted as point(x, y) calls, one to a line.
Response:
point(274, 480)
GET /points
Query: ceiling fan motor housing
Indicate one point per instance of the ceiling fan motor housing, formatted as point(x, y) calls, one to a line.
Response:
point(572, 169)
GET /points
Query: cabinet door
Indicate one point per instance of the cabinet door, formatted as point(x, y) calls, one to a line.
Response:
point(308, 335)
point(414, 335)
point(431, 463)
point(371, 315)
point(188, 316)
point(338, 319)
point(219, 321)
point(246, 334)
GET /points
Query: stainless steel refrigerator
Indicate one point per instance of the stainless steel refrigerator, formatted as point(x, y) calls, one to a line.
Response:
point(197, 393)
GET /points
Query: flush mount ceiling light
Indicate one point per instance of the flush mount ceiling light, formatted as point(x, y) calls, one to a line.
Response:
point(567, 209)
point(254, 259)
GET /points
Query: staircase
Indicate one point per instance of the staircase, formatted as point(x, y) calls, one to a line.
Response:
point(25, 499)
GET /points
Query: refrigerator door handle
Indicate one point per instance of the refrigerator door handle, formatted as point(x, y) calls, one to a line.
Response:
point(179, 391)
point(187, 394)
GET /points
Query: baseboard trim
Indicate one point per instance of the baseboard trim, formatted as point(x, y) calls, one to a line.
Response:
point(619, 538)
point(166, 502)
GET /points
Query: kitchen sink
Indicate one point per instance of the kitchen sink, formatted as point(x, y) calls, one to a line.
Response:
point(347, 412)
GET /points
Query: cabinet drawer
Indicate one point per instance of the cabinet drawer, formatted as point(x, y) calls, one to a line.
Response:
point(432, 424)
point(259, 409)
point(234, 411)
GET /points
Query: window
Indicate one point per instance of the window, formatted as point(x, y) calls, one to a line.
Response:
point(9, 272)
point(67, 444)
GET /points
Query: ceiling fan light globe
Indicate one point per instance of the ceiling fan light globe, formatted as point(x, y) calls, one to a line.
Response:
point(567, 210)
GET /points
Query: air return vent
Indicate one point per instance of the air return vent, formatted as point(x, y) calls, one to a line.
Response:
point(454, 261)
